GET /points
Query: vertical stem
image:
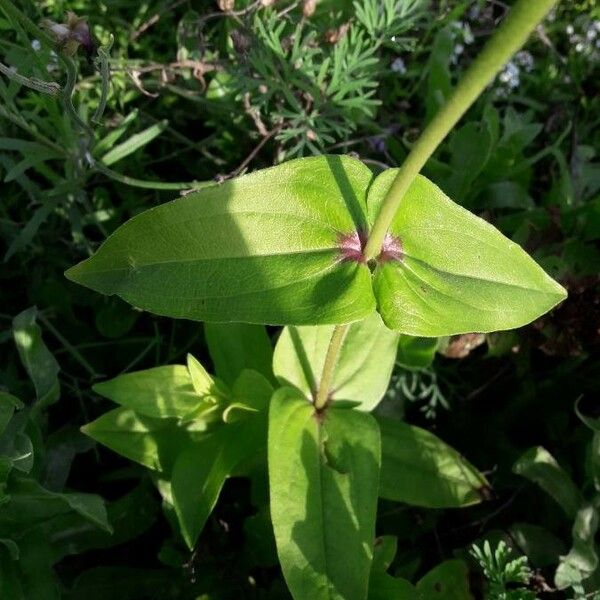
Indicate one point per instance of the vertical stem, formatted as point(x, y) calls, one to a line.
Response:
point(337, 337)
point(511, 35)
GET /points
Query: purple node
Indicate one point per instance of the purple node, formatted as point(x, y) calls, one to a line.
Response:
point(391, 249)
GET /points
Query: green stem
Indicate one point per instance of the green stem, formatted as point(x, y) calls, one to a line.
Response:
point(335, 344)
point(68, 346)
point(512, 34)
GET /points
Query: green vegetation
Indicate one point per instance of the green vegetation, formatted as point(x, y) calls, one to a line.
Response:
point(331, 307)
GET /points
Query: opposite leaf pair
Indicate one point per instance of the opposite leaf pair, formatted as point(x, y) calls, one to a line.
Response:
point(285, 246)
point(326, 469)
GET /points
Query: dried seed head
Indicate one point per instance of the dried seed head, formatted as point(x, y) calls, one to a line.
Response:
point(308, 7)
point(226, 5)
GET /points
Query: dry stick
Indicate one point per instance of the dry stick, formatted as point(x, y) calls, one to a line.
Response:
point(46, 87)
point(511, 35)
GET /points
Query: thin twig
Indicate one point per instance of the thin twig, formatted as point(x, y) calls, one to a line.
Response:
point(254, 152)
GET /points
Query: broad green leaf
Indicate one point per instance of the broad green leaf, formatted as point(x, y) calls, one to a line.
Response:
point(582, 559)
point(419, 469)
point(237, 346)
point(540, 467)
point(364, 366)
point(262, 248)
point(323, 473)
point(154, 443)
point(456, 273)
point(448, 581)
point(39, 363)
point(161, 392)
point(200, 472)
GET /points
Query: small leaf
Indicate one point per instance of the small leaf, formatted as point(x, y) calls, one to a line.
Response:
point(30, 229)
point(448, 581)
point(455, 272)
point(161, 392)
point(253, 389)
point(541, 546)
point(262, 248)
point(135, 142)
point(204, 384)
point(540, 467)
point(154, 443)
point(323, 473)
point(363, 369)
point(13, 549)
point(200, 472)
point(385, 587)
point(416, 352)
point(234, 347)
point(419, 469)
point(582, 559)
point(39, 363)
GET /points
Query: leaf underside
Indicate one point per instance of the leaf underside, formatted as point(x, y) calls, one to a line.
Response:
point(284, 246)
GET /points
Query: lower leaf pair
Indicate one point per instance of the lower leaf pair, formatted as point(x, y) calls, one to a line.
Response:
point(326, 469)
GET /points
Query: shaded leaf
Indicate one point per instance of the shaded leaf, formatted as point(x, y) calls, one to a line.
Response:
point(582, 559)
point(154, 443)
point(201, 470)
point(419, 469)
point(540, 467)
point(237, 346)
point(323, 472)
point(39, 363)
point(448, 581)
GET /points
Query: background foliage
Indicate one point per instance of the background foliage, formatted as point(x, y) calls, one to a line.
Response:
point(203, 90)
